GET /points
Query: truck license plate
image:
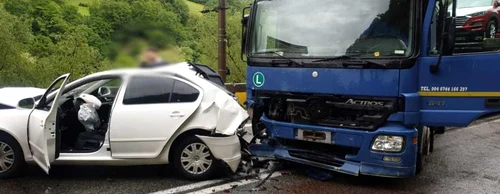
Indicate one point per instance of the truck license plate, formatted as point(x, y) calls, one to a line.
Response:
point(314, 136)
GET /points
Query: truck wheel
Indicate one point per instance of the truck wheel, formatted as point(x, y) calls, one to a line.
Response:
point(423, 147)
point(193, 160)
point(11, 157)
point(433, 135)
point(491, 31)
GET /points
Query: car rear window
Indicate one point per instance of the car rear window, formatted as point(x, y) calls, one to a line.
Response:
point(184, 93)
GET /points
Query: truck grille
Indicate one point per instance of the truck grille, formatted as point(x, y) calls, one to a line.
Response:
point(318, 152)
point(460, 20)
point(332, 111)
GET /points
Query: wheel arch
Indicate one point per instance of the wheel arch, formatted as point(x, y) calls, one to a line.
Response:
point(7, 133)
point(494, 17)
point(167, 153)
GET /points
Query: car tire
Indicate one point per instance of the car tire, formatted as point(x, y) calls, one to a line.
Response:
point(11, 157)
point(492, 29)
point(200, 165)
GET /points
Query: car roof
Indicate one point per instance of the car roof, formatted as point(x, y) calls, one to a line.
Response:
point(10, 96)
point(178, 68)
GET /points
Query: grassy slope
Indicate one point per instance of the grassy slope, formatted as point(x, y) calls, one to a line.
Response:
point(81, 10)
point(194, 8)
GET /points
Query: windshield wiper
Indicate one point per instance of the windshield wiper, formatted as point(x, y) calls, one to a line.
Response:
point(300, 64)
point(353, 61)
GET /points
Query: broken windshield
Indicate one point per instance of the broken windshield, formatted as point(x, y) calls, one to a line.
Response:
point(330, 28)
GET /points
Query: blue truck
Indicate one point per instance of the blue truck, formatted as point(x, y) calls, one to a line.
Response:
point(363, 87)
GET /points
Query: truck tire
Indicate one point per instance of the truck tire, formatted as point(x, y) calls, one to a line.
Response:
point(424, 147)
point(433, 135)
point(11, 157)
point(193, 160)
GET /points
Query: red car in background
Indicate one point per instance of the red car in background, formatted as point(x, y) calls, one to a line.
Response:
point(477, 20)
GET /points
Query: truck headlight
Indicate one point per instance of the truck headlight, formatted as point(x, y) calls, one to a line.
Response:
point(387, 143)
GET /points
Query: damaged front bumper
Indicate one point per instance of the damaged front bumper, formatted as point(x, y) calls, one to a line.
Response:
point(348, 152)
point(227, 149)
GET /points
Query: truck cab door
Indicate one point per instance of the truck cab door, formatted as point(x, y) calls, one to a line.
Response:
point(42, 127)
point(466, 83)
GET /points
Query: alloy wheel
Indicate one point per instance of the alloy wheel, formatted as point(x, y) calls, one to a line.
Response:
point(493, 30)
point(196, 158)
point(6, 157)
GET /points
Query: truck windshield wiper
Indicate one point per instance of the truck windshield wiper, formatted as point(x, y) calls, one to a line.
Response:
point(353, 61)
point(300, 64)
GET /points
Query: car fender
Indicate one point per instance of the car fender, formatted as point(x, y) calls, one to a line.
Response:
point(227, 149)
point(15, 122)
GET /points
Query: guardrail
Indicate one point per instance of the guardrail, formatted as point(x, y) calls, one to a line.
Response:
point(239, 89)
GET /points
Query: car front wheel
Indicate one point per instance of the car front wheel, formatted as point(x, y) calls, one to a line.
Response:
point(11, 157)
point(492, 29)
point(193, 160)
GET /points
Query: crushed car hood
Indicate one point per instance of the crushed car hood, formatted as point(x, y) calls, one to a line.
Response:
point(12, 95)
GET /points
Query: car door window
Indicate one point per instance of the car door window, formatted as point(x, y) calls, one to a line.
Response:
point(148, 90)
point(183, 93)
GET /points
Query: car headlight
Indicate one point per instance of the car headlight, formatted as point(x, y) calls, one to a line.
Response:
point(477, 14)
point(387, 143)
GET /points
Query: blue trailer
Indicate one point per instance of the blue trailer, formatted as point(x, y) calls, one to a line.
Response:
point(362, 87)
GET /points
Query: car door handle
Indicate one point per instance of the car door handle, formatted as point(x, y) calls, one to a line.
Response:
point(176, 114)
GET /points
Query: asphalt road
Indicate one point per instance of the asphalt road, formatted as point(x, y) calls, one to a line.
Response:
point(465, 160)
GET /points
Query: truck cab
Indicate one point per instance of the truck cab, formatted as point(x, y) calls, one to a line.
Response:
point(362, 87)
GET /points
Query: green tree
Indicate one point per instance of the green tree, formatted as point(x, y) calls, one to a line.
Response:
point(14, 37)
point(204, 39)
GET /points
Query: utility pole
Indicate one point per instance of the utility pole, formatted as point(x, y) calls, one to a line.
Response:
point(222, 39)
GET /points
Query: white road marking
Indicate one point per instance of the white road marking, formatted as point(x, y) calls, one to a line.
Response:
point(189, 187)
point(230, 185)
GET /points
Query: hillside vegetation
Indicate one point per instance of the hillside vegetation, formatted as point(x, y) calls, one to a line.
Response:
point(42, 39)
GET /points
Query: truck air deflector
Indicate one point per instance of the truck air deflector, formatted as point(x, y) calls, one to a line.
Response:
point(359, 82)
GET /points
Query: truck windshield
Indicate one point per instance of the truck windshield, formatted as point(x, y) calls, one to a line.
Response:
point(473, 3)
point(332, 28)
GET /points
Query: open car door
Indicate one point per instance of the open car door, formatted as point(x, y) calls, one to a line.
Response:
point(42, 128)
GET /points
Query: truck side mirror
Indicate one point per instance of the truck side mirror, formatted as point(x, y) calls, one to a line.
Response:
point(449, 36)
point(244, 25)
point(447, 26)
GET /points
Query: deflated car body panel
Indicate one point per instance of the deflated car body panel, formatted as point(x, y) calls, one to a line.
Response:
point(224, 148)
point(218, 110)
point(223, 112)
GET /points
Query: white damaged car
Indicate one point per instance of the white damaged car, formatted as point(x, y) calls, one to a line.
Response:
point(127, 117)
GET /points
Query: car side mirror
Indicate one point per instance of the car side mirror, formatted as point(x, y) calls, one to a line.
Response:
point(104, 91)
point(27, 103)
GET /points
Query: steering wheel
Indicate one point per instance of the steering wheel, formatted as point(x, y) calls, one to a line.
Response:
point(384, 44)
